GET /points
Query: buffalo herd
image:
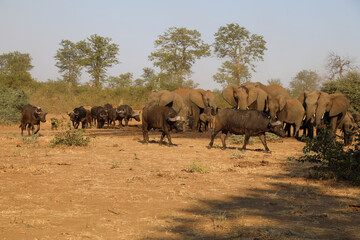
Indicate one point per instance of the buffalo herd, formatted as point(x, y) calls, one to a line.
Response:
point(256, 109)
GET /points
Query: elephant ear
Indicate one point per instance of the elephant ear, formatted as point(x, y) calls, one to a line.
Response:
point(166, 98)
point(252, 95)
point(228, 95)
point(196, 96)
point(282, 102)
point(262, 100)
point(338, 104)
point(302, 96)
point(178, 102)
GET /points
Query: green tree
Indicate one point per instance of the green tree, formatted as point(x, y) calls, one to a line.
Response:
point(241, 49)
point(178, 48)
point(151, 79)
point(98, 54)
point(349, 85)
point(15, 70)
point(68, 59)
point(274, 81)
point(11, 103)
point(123, 81)
point(304, 80)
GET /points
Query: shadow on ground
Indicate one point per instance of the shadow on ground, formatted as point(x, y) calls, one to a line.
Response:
point(284, 209)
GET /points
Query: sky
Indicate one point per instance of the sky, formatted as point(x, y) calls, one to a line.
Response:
point(299, 34)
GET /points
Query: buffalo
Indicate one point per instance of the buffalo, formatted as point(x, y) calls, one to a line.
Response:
point(248, 122)
point(126, 112)
point(78, 115)
point(163, 118)
point(101, 117)
point(31, 116)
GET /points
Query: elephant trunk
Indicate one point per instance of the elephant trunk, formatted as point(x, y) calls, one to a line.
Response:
point(319, 115)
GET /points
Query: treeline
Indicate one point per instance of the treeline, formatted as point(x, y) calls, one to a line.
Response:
point(175, 52)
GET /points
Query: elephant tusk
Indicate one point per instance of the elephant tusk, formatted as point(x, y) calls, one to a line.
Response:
point(322, 117)
point(304, 118)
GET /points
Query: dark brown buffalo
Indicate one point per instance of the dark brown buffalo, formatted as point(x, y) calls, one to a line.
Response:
point(163, 118)
point(94, 113)
point(101, 117)
point(112, 117)
point(80, 115)
point(31, 116)
point(126, 112)
point(248, 122)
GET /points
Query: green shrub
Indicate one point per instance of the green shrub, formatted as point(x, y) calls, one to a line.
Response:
point(11, 103)
point(196, 167)
point(70, 137)
point(333, 160)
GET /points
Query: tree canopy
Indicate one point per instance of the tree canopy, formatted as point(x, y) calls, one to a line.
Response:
point(68, 60)
point(98, 54)
point(15, 70)
point(242, 49)
point(304, 80)
point(177, 50)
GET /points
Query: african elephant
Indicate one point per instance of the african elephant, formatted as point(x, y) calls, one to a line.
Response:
point(289, 111)
point(348, 126)
point(309, 102)
point(271, 90)
point(170, 99)
point(246, 97)
point(322, 107)
point(197, 100)
point(331, 109)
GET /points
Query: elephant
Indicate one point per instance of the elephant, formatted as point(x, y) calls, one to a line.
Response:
point(287, 110)
point(309, 102)
point(243, 97)
point(324, 108)
point(271, 90)
point(348, 126)
point(331, 109)
point(197, 100)
point(170, 99)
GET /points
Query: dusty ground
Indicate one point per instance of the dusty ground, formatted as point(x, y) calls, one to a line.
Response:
point(119, 188)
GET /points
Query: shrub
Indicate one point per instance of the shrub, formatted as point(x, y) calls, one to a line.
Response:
point(11, 103)
point(239, 139)
point(70, 137)
point(196, 167)
point(333, 160)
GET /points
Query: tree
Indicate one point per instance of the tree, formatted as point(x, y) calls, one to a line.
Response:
point(98, 55)
point(349, 85)
point(15, 70)
point(337, 66)
point(241, 49)
point(122, 81)
point(151, 79)
point(274, 81)
point(304, 80)
point(68, 59)
point(178, 48)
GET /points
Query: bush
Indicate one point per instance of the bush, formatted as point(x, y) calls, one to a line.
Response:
point(239, 139)
point(70, 137)
point(11, 103)
point(333, 160)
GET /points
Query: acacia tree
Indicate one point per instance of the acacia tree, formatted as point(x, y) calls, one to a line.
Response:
point(68, 59)
point(178, 48)
point(304, 80)
point(15, 70)
point(242, 49)
point(98, 54)
point(274, 81)
point(337, 66)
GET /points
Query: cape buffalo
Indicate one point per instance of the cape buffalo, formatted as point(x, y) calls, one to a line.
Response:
point(163, 118)
point(126, 112)
point(248, 122)
point(30, 116)
point(101, 117)
point(79, 115)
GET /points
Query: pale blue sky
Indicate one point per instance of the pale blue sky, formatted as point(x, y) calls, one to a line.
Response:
point(299, 34)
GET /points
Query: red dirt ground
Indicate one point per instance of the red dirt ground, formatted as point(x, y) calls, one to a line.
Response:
point(119, 188)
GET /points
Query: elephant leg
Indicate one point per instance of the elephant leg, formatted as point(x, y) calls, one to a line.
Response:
point(196, 114)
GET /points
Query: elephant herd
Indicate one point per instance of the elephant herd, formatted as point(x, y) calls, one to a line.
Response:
point(309, 110)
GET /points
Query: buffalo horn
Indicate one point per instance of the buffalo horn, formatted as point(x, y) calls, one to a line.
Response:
point(174, 119)
point(275, 123)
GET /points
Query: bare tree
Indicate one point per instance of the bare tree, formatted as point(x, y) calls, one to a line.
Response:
point(337, 66)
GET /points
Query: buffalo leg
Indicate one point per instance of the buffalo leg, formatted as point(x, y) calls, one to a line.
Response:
point(263, 141)
point(22, 129)
point(223, 138)
point(169, 139)
point(29, 127)
point(213, 135)
point(246, 140)
point(162, 138)
point(37, 130)
point(126, 121)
